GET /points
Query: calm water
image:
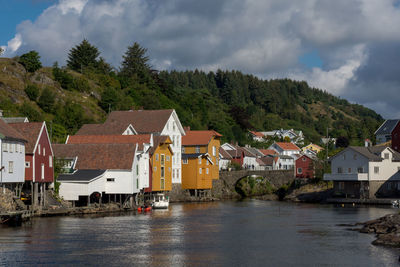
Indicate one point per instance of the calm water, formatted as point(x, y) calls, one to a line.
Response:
point(247, 233)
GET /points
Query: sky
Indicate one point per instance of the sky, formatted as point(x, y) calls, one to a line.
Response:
point(348, 48)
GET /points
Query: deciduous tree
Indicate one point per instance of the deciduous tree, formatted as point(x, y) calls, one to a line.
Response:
point(31, 61)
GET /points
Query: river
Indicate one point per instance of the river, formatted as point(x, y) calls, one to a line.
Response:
point(229, 233)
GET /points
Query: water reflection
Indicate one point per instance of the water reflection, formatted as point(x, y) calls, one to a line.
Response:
point(251, 232)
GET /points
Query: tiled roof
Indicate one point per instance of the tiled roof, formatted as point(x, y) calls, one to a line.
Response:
point(224, 154)
point(81, 175)
point(144, 121)
point(372, 153)
point(267, 152)
point(8, 132)
point(387, 127)
point(256, 152)
point(98, 156)
point(266, 161)
point(258, 134)
point(110, 139)
point(103, 129)
point(287, 146)
point(30, 131)
point(193, 138)
point(15, 119)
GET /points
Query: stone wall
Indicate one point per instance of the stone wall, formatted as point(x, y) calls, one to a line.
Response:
point(6, 200)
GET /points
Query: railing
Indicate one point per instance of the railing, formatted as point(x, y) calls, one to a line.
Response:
point(346, 176)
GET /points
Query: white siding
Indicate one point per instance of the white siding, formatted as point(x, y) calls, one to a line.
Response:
point(17, 159)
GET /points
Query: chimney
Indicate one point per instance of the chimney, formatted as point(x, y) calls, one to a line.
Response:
point(367, 143)
point(186, 128)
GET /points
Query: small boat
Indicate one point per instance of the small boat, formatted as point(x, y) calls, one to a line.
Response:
point(160, 201)
point(396, 203)
point(144, 209)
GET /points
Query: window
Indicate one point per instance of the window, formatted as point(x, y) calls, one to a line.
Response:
point(200, 170)
point(206, 162)
point(137, 183)
point(304, 159)
point(27, 164)
point(156, 157)
point(214, 151)
point(137, 169)
point(206, 170)
point(162, 159)
point(199, 160)
point(169, 169)
point(185, 161)
point(299, 170)
point(173, 173)
point(197, 149)
point(349, 170)
point(360, 170)
point(50, 161)
point(110, 179)
point(339, 170)
point(155, 168)
point(42, 176)
point(39, 149)
point(183, 150)
point(386, 155)
point(5, 147)
point(162, 184)
point(44, 151)
point(162, 172)
point(376, 169)
point(11, 148)
point(16, 148)
point(177, 173)
point(173, 126)
point(10, 166)
point(167, 157)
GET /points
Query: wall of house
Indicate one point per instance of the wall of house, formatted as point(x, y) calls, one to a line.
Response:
point(125, 182)
point(192, 149)
point(29, 170)
point(349, 161)
point(17, 174)
point(387, 168)
point(143, 169)
point(172, 130)
point(42, 155)
point(192, 178)
point(156, 172)
point(223, 164)
point(212, 150)
point(71, 191)
point(396, 138)
point(307, 167)
point(250, 163)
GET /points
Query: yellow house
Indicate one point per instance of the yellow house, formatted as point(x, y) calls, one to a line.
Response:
point(196, 171)
point(161, 165)
point(312, 147)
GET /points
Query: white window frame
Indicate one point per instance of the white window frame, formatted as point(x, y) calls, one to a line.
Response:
point(27, 164)
point(50, 161)
point(11, 167)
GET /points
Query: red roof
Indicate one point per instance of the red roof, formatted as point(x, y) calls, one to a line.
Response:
point(144, 121)
point(267, 152)
point(193, 138)
point(30, 131)
point(110, 139)
point(287, 146)
point(258, 134)
point(8, 132)
point(98, 156)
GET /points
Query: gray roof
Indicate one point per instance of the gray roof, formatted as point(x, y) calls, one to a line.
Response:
point(191, 156)
point(81, 175)
point(15, 119)
point(373, 153)
point(254, 151)
point(387, 127)
point(284, 157)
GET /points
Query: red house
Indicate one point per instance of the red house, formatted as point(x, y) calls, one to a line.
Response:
point(396, 137)
point(39, 170)
point(305, 167)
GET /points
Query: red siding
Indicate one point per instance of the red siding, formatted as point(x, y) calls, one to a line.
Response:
point(306, 164)
point(43, 159)
point(29, 171)
point(396, 138)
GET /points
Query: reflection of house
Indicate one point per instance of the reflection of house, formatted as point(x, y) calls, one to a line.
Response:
point(384, 132)
point(365, 172)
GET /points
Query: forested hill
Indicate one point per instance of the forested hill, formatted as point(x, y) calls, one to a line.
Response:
point(227, 101)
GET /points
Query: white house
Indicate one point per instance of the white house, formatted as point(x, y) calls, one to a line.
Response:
point(283, 148)
point(224, 159)
point(101, 172)
point(365, 172)
point(296, 137)
point(158, 122)
point(12, 157)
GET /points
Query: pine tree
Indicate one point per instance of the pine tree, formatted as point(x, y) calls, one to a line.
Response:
point(135, 62)
point(83, 56)
point(31, 61)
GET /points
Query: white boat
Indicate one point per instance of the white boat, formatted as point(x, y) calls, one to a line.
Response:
point(160, 201)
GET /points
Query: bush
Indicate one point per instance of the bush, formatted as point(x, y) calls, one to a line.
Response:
point(31, 61)
point(46, 100)
point(32, 91)
point(28, 110)
point(81, 84)
point(63, 77)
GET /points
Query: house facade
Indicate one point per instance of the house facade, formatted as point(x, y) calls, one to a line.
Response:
point(224, 159)
point(283, 148)
point(197, 171)
point(305, 166)
point(158, 122)
point(39, 157)
point(12, 157)
point(365, 172)
point(161, 164)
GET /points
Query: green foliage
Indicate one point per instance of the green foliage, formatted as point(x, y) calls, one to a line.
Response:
point(65, 79)
point(135, 62)
point(234, 166)
point(109, 99)
point(30, 111)
point(32, 91)
point(83, 56)
point(58, 133)
point(70, 116)
point(81, 84)
point(254, 186)
point(46, 100)
point(31, 61)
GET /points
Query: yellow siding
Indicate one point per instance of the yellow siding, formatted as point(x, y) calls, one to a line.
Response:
point(162, 150)
point(191, 176)
point(192, 149)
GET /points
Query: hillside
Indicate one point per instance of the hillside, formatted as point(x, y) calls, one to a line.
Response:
point(227, 101)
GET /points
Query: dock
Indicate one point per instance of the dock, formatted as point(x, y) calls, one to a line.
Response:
point(383, 201)
point(15, 218)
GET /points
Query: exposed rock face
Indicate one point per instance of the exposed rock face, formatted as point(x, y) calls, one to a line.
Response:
point(387, 230)
point(6, 201)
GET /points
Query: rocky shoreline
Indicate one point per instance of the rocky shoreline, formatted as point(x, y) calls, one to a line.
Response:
point(386, 229)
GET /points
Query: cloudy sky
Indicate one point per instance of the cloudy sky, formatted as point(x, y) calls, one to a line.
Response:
point(348, 48)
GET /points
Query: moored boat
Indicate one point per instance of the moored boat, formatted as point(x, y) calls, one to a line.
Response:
point(160, 201)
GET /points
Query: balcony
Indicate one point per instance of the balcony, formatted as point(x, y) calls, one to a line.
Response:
point(346, 176)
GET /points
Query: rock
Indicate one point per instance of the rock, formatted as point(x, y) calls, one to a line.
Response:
point(386, 228)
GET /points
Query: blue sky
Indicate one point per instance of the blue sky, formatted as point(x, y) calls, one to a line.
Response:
point(348, 48)
point(13, 12)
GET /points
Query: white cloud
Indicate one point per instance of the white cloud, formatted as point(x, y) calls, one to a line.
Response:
point(260, 37)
